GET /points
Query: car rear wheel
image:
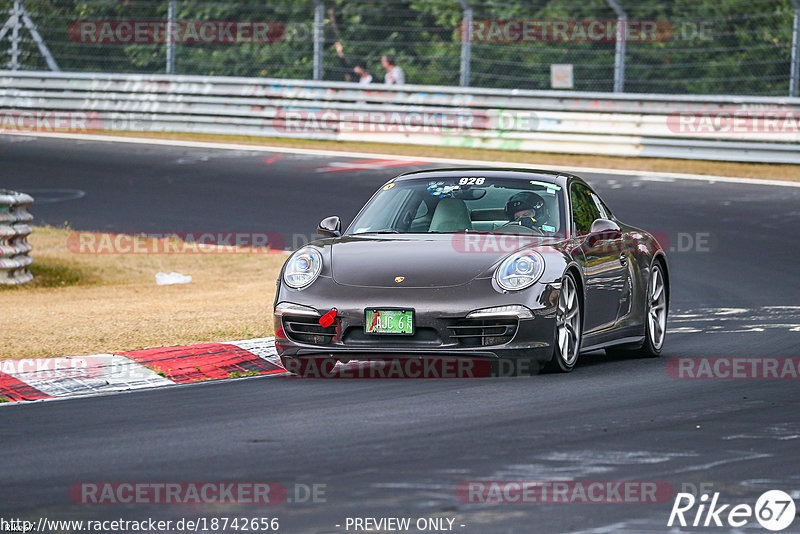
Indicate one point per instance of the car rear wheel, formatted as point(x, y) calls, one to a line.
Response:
point(655, 328)
point(568, 327)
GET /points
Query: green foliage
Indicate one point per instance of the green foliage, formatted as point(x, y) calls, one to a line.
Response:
point(52, 274)
point(717, 46)
point(241, 374)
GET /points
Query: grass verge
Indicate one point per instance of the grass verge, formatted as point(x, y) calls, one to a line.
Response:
point(84, 303)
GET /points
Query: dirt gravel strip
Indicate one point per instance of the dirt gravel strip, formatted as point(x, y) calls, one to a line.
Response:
point(48, 378)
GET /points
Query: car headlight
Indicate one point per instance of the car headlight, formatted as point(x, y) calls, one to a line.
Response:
point(520, 270)
point(303, 268)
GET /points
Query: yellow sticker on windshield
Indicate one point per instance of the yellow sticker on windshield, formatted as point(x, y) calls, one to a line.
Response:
point(387, 187)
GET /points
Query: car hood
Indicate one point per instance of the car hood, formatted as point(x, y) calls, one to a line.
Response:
point(429, 260)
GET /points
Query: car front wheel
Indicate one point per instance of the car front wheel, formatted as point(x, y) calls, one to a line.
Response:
point(568, 327)
point(656, 314)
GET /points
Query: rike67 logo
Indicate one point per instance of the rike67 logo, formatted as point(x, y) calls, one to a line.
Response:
point(774, 510)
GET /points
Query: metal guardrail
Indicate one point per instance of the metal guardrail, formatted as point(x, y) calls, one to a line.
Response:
point(616, 124)
point(14, 232)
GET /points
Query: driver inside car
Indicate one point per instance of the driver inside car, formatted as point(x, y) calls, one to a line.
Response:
point(527, 209)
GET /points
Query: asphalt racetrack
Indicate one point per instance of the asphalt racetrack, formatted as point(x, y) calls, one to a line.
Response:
point(400, 448)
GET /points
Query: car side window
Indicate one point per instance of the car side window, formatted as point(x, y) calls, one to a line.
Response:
point(584, 209)
point(605, 213)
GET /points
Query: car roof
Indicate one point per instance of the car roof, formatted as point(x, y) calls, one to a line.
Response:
point(495, 172)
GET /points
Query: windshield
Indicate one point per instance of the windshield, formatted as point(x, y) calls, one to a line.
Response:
point(464, 204)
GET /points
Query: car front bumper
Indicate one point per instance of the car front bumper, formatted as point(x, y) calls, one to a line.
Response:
point(441, 326)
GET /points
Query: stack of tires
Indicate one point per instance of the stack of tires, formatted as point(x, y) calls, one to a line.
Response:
point(14, 232)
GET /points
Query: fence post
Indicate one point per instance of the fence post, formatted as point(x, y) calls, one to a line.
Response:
point(16, 17)
point(20, 16)
point(319, 37)
point(171, 7)
point(466, 42)
point(794, 70)
point(619, 52)
point(48, 57)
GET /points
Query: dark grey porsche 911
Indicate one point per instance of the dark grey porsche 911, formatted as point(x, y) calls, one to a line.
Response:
point(474, 263)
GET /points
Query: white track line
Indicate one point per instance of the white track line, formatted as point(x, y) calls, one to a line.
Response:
point(450, 161)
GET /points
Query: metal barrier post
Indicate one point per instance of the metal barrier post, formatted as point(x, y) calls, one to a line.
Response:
point(15, 25)
point(794, 73)
point(466, 42)
point(171, 37)
point(14, 232)
point(319, 37)
point(619, 53)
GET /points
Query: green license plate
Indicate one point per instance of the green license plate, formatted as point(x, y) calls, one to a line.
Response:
point(389, 321)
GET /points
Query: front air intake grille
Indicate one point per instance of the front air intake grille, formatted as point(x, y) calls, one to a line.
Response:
point(308, 330)
point(423, 337)
point(483, 332)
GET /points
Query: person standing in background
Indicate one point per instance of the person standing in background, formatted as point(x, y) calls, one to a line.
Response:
point(360, 68)
point(394, 73)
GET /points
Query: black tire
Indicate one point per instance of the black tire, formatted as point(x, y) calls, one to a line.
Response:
point(569, 322)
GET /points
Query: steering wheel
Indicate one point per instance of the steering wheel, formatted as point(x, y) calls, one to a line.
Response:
point(517, 223)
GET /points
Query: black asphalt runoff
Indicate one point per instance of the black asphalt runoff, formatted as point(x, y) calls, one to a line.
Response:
point(400, 448)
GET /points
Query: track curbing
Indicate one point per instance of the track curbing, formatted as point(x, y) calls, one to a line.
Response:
point(74, 376)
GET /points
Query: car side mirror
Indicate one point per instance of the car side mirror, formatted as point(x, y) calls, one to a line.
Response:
point(330, 227)
point(603, 229)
